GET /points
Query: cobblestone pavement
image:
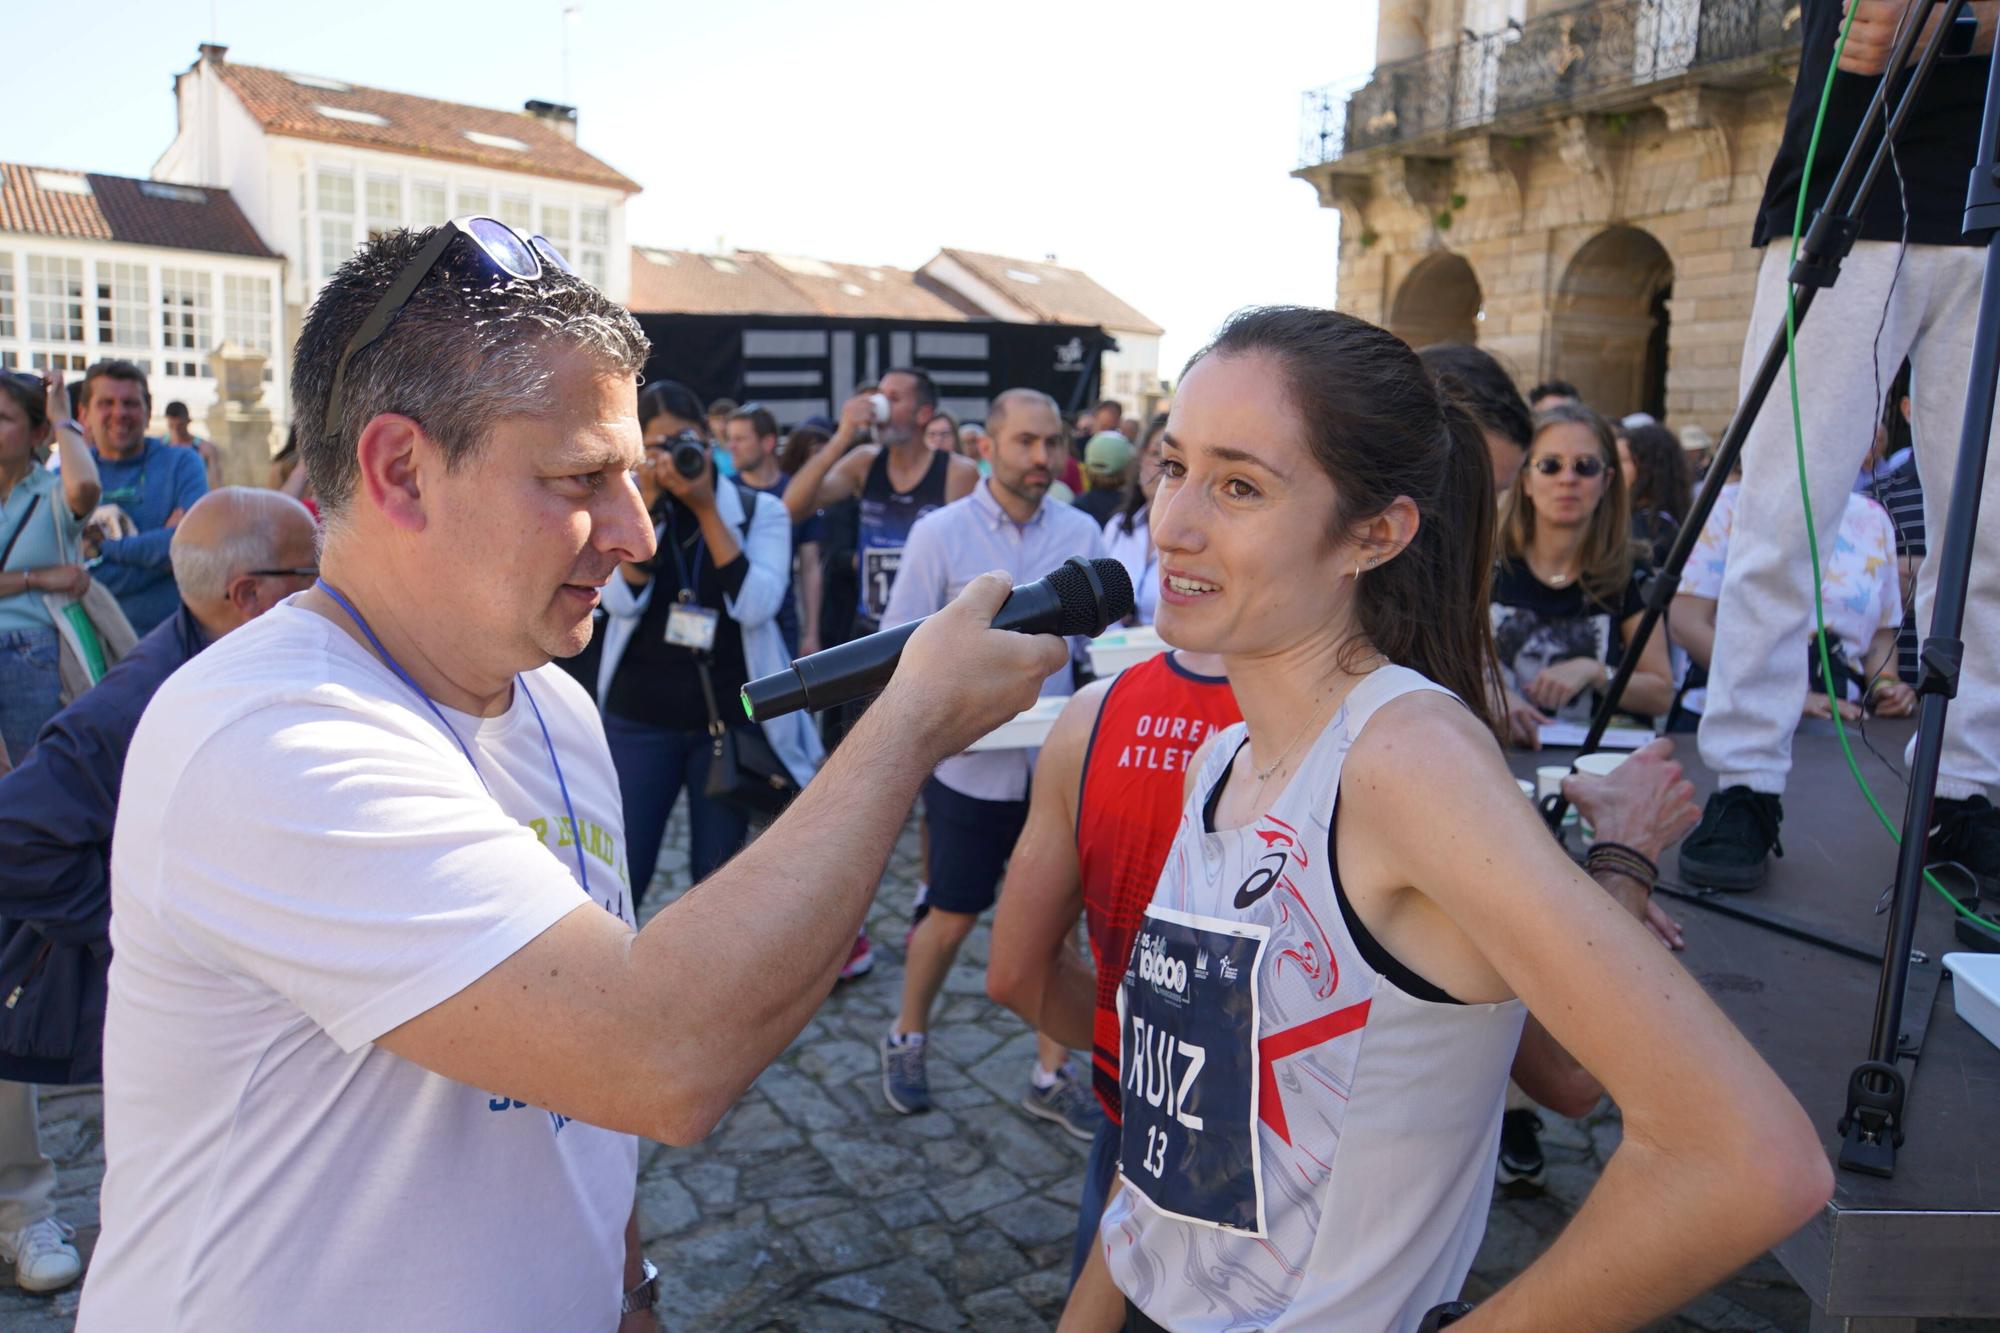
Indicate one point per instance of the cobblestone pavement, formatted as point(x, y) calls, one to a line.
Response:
point(814, 1207)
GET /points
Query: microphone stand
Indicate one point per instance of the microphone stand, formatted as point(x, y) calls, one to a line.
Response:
point(1873, 1125)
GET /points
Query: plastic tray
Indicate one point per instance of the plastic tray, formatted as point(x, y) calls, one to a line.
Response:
point(1975, 991)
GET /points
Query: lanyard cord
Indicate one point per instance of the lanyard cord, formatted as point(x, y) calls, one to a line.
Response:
point(575, 830)
point(689, 594)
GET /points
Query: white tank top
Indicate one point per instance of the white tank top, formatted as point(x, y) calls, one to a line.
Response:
point(1307, 1144)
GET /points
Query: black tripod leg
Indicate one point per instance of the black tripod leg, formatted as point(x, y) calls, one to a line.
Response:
point(1873, 1124)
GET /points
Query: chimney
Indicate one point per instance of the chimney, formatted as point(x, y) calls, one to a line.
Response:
point(214, 53)
point(560, 118)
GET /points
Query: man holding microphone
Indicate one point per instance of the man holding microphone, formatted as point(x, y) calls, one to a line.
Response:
point(380, 1029)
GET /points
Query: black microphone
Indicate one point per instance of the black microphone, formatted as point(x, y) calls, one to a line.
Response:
point(1082, 597)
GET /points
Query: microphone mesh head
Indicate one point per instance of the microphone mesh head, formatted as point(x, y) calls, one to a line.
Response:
point(1082, 612)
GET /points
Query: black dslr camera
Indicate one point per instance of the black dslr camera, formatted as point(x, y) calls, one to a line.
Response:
point(690, 454)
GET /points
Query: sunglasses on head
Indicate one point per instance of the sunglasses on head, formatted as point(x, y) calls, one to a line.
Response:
point(1586, 467)
point(517, 256)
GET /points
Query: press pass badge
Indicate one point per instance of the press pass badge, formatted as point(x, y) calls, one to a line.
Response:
point(691, 626)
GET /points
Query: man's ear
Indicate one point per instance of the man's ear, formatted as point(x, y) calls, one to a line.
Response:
point(242, 594)
point(396, 458)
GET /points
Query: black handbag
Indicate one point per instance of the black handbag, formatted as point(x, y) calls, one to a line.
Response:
point(744, 771)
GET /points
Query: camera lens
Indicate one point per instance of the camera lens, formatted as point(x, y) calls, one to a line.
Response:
point(690, 456)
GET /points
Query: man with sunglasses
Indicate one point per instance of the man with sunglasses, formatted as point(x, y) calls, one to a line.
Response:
point(381, 1031)
point(154, 484)
point(237, 554)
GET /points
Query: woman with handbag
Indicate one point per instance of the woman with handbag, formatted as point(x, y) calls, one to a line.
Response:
point(683, 634)
point(41, 515)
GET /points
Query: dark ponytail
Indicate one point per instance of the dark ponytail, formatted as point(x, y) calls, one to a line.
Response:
point(1378, 426)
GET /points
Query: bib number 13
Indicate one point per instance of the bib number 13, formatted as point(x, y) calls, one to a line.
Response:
point(1188, 1008)
point(1156, 1151)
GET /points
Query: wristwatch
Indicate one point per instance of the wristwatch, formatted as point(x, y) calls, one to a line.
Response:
point(646, 1294)
point(70, 423)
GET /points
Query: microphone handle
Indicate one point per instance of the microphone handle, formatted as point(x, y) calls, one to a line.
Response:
point(862, 667)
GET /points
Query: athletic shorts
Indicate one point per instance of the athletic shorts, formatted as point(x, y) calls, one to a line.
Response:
point(971, 840)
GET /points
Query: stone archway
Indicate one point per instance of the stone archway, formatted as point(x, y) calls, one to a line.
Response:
point(1437, 303)
point(1610, 322)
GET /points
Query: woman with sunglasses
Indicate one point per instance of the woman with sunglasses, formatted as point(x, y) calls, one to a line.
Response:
point(1566, 591)
point(708, 599)
point(1359, 913)
point(41, 517)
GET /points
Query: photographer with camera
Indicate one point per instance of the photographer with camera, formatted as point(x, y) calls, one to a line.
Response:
point(686, 629)
point(1915, 276)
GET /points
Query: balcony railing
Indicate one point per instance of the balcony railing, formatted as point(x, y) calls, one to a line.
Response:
point(1552, 59)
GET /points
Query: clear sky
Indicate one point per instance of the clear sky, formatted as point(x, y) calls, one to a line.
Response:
point(1148, 144)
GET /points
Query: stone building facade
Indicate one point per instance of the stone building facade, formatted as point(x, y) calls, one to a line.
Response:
point(1570, 186)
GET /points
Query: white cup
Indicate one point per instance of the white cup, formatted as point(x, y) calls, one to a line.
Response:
point(1601, 762)
point(1527, 788)
point(880, 402)
point(1549, 782)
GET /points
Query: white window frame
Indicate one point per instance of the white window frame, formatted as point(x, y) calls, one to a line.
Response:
point(56, 312)
point(246, 311)
point(382, 204)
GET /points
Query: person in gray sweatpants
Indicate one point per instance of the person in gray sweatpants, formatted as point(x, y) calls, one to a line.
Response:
point(1923, 296)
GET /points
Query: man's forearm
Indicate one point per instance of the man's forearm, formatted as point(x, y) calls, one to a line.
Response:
point(803, 496)
point(777, 922)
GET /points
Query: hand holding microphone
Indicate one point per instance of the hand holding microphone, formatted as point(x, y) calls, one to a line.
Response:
point(1082, 597)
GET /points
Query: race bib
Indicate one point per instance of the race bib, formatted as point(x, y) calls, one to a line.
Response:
point(691, 626)
point(878, 575)
point(1187, 1011)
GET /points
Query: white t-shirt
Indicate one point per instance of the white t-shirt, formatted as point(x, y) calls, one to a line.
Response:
point(303, 861)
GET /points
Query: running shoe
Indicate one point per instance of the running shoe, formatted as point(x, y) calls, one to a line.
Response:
point(905, 1086)
point(861, 961)
point(1065, 1102)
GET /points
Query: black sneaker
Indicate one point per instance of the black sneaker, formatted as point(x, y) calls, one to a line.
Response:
point(1521, 1163)
point(1964, 852)
point(1731, 848)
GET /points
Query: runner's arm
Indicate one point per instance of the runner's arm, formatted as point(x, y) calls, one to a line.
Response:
point(1033, 966)
point(831, 474)
point(658, 1033)
point(1718, 1161)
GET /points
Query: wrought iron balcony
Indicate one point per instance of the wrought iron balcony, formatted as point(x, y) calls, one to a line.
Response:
point(1552, 59)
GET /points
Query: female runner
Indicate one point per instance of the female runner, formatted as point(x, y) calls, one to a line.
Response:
point(1359, 911)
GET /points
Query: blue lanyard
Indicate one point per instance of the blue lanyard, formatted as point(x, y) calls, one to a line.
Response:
point(575, 829)
point(689, 594)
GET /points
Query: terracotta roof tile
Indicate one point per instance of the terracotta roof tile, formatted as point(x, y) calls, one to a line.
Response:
point(681, 282)
point(1054, 294)
point(26, 206)
point(422, 126)
point(749, 282)
point(97, 207)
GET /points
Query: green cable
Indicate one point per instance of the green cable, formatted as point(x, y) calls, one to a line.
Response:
point(1805, 486)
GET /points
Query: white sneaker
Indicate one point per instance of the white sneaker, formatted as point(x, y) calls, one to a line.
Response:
point(42, 1256)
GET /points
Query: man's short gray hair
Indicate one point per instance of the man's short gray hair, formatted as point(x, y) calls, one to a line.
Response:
point(466, 352)
point(202, 571)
